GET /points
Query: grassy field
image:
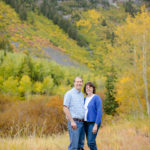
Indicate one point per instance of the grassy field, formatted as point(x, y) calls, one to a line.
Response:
point(117, 135)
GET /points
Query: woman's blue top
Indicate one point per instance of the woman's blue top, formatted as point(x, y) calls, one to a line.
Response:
point(94, 113)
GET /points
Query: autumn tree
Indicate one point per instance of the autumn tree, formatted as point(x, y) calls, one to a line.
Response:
point(134, 42)
point(47, 85)
point(10, 86)
point(25, 86)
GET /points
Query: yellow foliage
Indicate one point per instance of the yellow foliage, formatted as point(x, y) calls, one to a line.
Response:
point(125, 80)
point(37, 87)
point(8, 16)
point(94, 15)
point(133, 43)
point(127, 94)
point(83, 23)
point(62, 89)
point(47, 85)
point(1, 79)
point(25, 84)
point(10, 85)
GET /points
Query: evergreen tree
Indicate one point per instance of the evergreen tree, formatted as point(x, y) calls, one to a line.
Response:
point(110, 104)
point(23, 12)
point(26, 67)
point(47, 8)
point(130, 8)
point(104, 22)
point(112, 38)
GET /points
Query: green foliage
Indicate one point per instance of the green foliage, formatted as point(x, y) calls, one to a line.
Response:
point(4, 36)
point(47, 9)
point(37, 33)
point(98, 26)
point(129, 7)
point(110, 103)
point(48, 85)
point(23, 75)
point(104, 22)
point(105, 4)
point(22, 12)
point(25, 86)
point(22, 7)
point(10, 86)
point(19, 6)
point(26, 67)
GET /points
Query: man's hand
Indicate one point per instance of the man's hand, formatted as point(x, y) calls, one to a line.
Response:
point(94, 129)
point(73, 125)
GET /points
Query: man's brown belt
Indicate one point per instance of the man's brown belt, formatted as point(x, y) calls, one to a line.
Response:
point(76, 119)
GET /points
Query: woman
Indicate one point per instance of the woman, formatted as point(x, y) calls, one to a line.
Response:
point(93, 114)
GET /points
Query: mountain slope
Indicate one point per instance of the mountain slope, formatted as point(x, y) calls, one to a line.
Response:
point(37, 34)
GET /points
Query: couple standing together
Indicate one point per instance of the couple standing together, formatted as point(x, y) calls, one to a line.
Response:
point(83, 115)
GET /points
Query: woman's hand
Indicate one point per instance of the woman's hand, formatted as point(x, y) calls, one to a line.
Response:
point(94, 129)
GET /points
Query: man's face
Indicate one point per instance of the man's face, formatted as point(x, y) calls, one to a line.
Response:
point(78, 83)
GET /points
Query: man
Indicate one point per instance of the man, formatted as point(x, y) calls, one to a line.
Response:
point(74, 111)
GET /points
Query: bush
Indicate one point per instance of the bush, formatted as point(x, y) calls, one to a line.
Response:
point(40, 116)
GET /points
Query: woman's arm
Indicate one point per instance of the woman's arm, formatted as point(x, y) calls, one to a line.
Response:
point(99, 110)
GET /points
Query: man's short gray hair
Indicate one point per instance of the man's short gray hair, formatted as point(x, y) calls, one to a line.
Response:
point(78, 78)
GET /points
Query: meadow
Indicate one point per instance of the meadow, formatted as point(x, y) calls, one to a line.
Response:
point(114, 134)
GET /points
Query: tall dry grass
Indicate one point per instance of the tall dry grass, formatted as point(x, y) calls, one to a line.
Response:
point(40, 116)
point(123, 134)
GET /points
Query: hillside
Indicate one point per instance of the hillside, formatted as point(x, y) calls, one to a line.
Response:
point(111, 34)
point(37, 35)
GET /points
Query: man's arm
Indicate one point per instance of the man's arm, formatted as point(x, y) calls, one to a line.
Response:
point(67, 113)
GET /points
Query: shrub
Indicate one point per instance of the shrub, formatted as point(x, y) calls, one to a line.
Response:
point(39, 116)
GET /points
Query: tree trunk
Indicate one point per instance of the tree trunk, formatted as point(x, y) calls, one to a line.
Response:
point(145, 75)
point(135, 82)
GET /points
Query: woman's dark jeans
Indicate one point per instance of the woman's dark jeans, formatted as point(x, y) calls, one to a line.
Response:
point(91, 138)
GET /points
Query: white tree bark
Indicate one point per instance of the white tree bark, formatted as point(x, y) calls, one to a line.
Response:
point(135, 82)
point(145, 74)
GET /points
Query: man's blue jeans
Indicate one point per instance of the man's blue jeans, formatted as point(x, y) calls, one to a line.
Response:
point(76, 136)
point(91, 138)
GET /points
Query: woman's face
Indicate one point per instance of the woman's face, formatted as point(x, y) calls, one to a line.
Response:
point(89, 90)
